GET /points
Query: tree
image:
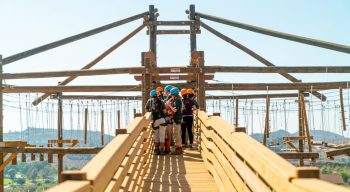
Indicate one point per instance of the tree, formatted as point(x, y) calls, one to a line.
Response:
point(12, 173)
point(20, 181)
point(345, 176)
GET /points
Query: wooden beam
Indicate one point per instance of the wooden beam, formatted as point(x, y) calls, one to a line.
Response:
point(342, 108)
point(296, 38)
point(171, 23)
point(102, 128)
point(70, 39)
point(53, 150)
point(337, 152)
point(175, 77)
point(267, 121)
point(256, 56)
point(7, 161)
point(306, 125)
point(174, 32)
point(299, 155)
point(60, 88)
point(94, 62)
point(292, 138)
point(1, 126)
point(277, 69)
point(292, 146)
point(13, 144)
point(86, 113)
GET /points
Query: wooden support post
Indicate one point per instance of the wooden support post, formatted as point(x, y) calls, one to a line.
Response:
point(267, 121)
point(118, 114)
point(102, 128)
point(134, 112)
point(24, 157)
point(85, 124)
point(201, 82)
point(306, 124)
point(49, 157)
point(14, 161)
point(32, 156)
point(1, 128)
point(301, 130)
point(146, 83)
point(41, 157)
point(236, 115)
point(153, 30)
point(342, 108)
point(193, 37)
point(5, 163)
point(59, 137)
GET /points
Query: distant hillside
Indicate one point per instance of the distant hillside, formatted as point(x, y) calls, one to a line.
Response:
point(39, 136)
point(318, 135)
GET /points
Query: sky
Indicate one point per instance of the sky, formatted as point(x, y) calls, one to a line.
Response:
point(31, 23)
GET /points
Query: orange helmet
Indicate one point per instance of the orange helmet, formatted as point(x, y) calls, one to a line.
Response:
point(159, 89)
point(189, 91)
point(183, 91)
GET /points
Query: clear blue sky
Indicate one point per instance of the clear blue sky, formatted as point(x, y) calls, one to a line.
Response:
point(28, 24)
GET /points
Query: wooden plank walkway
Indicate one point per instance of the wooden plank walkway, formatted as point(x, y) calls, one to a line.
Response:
point(185, 172)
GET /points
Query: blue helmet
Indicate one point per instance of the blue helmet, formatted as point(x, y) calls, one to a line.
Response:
point(153, 93)
point(168, 88)
point(174, 91)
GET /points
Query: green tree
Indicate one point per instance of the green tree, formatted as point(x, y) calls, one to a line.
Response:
point(12, 173)
point(345, 176)
point(20, 181)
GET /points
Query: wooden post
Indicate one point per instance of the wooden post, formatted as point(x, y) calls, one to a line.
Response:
point(1, 128)
point(267, 121)
point(153, 30)
point(301, 142)
point(306, 125)
point(59, 137)
point(342, 108)
point(201, 82)
point(134, 112)
point(102, 128)
point(118, 114)
point(24, 157)
point(236, 116)
point(193, 37)
point(85, 125)
point(147, 78)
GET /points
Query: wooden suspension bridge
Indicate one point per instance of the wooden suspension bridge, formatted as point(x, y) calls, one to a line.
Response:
point(227, 158)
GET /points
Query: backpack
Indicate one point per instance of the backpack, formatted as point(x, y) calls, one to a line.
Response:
point(187, 106)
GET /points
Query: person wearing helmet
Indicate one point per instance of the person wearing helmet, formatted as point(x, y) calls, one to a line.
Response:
point(187, 118)
point(176, 108)
point(157, 108)
point(191, 95)
point(168, 117)
point(183, 93)
point(160, 93)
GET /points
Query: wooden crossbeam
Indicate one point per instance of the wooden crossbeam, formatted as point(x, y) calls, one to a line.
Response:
point(53, 150)
point(296, 38)
point(292, 145)
point(288, 138)
point(338, 152)
point(13, 144)
point(171, 23)
point(73, 38)
point(299, 155)
point(208, 87)
point(175, 77)
point(73, 142)
point(174, 32)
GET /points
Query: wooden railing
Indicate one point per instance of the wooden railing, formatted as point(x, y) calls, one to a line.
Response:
point(119, 165)
point(240, 163)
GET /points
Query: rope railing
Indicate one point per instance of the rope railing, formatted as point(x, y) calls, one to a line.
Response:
point(238, 162)
point(119, 165)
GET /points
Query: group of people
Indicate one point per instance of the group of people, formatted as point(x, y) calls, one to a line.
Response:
point(172, 115)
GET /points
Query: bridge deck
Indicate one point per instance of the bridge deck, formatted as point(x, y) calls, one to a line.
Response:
point(178, 173)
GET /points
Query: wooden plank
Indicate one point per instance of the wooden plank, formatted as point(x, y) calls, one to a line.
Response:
point(106, 163)
point(13, 144)
point(60, 88)
point(296, 38)
point(299, 155)
point(317, 185)
point(175, 77)
point(343, 119)
point(73, 175)
point(72, 186)
point(337, 152)
point(289, 138)
point(267, 121)
point(173, 32)
point(86, 113)
point(54, 150)
point(169, 23)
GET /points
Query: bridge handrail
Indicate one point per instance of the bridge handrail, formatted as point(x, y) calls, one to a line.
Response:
point(125, 154)
point(238, 161)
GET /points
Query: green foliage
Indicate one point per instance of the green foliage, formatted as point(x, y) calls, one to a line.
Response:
point(345, 176)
